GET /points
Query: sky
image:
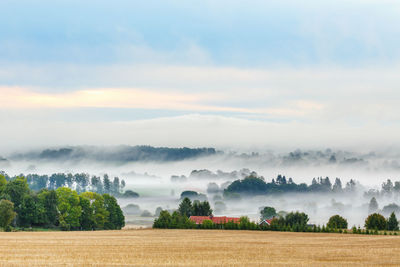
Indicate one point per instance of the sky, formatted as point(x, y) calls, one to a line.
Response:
point(245, 74)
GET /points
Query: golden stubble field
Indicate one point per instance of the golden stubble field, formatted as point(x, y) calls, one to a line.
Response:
point(195, 248)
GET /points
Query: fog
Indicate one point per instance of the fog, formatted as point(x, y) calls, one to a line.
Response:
point(160, 182)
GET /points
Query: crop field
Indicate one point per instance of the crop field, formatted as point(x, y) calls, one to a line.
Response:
point(195, 247)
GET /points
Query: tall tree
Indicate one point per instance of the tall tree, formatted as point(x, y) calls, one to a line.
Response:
point(393, 223)
point(116, 219)
point(28, 213)
point(106, 184)
point(69, 208)
point(373, 205)
point(99, 213)
point(185, 208)
point(337, 186)
point(116, 186)
point(48, 200)
point(16, 189)
point(201, 208)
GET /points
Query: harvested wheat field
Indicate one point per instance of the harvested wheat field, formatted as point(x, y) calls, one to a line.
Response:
point(195, 247)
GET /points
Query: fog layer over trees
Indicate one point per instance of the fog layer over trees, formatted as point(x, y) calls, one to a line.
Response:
point(320, 183)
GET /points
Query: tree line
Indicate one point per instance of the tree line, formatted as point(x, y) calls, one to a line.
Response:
point(117, 154)
point(388, 189)
point(256, 185)
point(293, 221)
point(80, 182)
point(61, 208)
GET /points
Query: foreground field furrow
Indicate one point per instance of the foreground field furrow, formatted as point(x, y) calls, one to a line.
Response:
point(195, 247)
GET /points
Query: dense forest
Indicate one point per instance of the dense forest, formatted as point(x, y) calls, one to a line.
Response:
point(62, 208)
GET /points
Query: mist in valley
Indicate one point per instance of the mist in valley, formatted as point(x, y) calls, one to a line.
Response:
point(160, 178)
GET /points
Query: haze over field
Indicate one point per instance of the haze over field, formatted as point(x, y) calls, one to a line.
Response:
point(160, 175)
point(304, 89)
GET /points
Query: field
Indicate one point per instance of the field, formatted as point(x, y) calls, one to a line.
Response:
point(195, 247)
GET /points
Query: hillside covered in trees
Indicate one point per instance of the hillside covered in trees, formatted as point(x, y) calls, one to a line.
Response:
point(120, 154)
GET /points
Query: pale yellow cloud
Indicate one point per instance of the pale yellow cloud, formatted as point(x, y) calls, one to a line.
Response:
point(16, 97)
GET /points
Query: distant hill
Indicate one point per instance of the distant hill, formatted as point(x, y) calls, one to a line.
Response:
point(117, 153)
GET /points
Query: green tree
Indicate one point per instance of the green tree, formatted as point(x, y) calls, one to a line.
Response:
point(48, 201)
point(185, 208)
point(116, 218)
point(393, 224)
point(201, 208)
point(163, 221)
point(69, 208)
point(244, 223)
point(17, 189)
point(375, 221)
point(7, 213)
point(28, 213)
point(86, 219)
point(337, 222)
point(99, 213)
point(268, 213)
point(3, 183)
point(296, 218)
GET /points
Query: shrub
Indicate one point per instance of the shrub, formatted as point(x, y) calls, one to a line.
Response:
point(375, 221)
point(207, 224)
point(337, 222)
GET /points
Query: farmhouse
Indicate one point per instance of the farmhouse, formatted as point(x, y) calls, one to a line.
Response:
point(216, 220)
point(266, 222)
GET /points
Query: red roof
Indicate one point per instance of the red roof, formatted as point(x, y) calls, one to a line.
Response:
point(267, 221)
point(217, 220)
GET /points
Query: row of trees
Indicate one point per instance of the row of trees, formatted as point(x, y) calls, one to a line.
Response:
point(388, 188)
point(81, 182)
point(255, 185)
point(293, 221)
point(64, 208)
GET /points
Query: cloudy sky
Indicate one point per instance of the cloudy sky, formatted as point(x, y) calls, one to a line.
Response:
point(249, 74)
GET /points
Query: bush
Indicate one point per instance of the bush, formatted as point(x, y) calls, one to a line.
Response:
point(337, 222)
point(375, 221)
point(207, 224)
point(163, 221)
point(354, 230)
